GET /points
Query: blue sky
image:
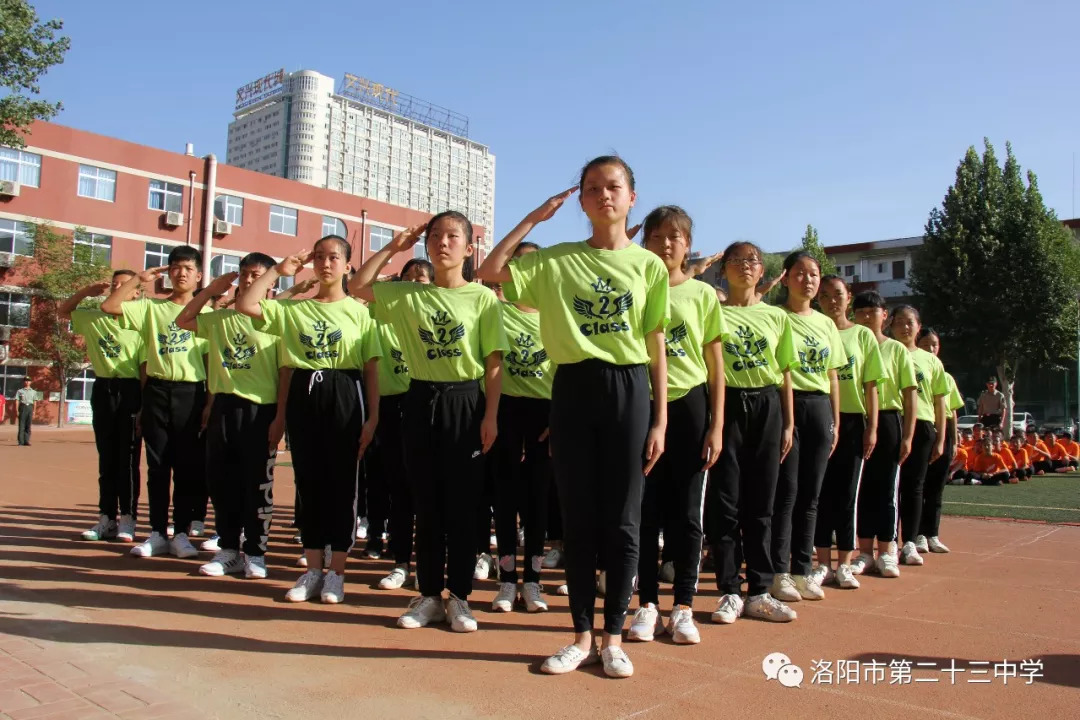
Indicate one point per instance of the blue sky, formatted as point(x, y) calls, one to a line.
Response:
point(758, 119)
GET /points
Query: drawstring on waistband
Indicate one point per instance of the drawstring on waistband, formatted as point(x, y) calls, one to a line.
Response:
point(315, 377)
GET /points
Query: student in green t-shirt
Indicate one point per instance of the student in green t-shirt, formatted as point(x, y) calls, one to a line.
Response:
point(388, 485)
point(452, 336)
point(115, 354)
point(523, 477)
point(897, 400)
point(247, 420)
point(173, 400)
point(332, 406)
point(675, 489)
point(856, 437)
point(816, 389)
point(603, 307)
point(938, 472)
point(928, 443)
point(758, 428)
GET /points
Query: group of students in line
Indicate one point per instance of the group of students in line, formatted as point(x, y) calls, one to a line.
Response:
point(767, 433)
point(984, 457)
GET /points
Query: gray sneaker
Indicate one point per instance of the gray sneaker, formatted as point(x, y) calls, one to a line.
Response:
point(422, 611)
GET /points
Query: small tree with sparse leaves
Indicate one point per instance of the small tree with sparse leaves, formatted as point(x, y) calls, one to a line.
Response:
point(28, 48)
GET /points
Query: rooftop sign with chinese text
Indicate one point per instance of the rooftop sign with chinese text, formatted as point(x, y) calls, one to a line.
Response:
point(261, 89)
point(386, 98)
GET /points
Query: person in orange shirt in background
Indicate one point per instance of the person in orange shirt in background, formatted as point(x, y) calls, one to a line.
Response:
point(1059, 456)
point(966, 440)
point(958, 468)
point(988, 467)
point(1023, 460)
point(1071, 447)
point(1002, 449)
point(1037, 452)
point(976, 436)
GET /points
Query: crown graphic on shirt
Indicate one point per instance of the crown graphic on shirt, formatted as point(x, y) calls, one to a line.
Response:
point(239, 338)
point(524, 341)
point(440, 318)
point(173, 327)
point(743, 332)
point(810, 341)
point(603, 286)
point(320, 326)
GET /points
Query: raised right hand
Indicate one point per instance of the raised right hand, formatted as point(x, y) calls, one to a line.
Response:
point(550, 206)
point(148, 276)
point(221, 284)
point(405, 239)
point(98, 288)
point(294, 263)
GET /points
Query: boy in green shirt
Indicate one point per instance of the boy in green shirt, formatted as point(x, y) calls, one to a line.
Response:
point(115, 354)
point(172, 403)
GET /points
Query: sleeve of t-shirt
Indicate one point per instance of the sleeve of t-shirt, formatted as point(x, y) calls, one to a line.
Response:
point(939, 383)
point(205, 323)
point(836, 350)
point(80, 321)
point(387, 297)
point(905, 375)
point(526, 272)
point(657, 309)
point(785, 346)
point(713, 326)
point(273, 317)
point(955, 400)
point(133, 314)
point(873, 365)
point(140, 353)
point(370, 347)
point(492, 332)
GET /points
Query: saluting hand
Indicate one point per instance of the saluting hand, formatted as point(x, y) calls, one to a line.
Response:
point(221, 284)
point(550, 206)
point(405, 239)
point(152, 274)
point(294, 263)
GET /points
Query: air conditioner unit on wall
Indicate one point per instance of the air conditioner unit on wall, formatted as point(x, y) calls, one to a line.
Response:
point(174, 219)
point(222, 228)
point(9, 188)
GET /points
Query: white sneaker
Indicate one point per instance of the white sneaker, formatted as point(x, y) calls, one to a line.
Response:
point(935, 545)
point(534, 601)
point(181, 547)
point(845, 578)
point(616, 662)
point(395, 579)
point(783, 588)
point(667, 572)
point(504, 600)
point(552, 559)
point(306, 586)
point(125, 530)
point(808, 587)
point(362, 528)
point(333, 588)
point(104, 530)
point(255, 567)
point(225, 562)
point(681, 625)
point(568, 659)
point(301, 561)
point(909, 555)
point(461, 617)
point(211, 544)
point(887, 565)
point(422, 610)
point(197, 528)
point(920, 544)
point(483, 567)
point(766, 607)
point(563, 589)
point(601, 582)
point(728, 609)
point(170, 531)
point(151, 546)
point(860, 564)
point(646, 624)
point(822, 574)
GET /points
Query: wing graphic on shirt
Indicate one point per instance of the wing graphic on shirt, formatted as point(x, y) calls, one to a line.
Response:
point(623, 303)
point(306, 340)
point(456, 334)
point(333, 337)
point(539, 357)
point(678, 333)
point(426, 336)
point(584, 307)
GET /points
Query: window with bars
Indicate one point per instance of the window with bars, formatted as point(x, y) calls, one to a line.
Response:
point(282, 220)
point(97, 183)
point(166, 196)
point(92, 248)
point(14, 310)
point(15, 238)
point(20, 166)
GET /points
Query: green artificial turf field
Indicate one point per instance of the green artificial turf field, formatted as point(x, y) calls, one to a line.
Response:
point(1052, 498)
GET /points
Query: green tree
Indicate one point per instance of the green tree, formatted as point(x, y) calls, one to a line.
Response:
point(997, 274)
point(811, 244)
point(58, 268)
point(28, 48)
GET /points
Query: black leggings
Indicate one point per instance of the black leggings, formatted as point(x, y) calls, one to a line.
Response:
point(325, 413)
point(522, 484)
point(876, 505)
point(673, 500)
point(599, 422)
point(742, 488)
point(840, 490)
point(936, 477)
point(444, 461)
point(171, 416)
point(799, 484)
point(115, 402)
point(913, 479)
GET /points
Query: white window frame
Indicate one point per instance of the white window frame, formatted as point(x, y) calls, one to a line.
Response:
point(381, 234)
point(95, 242)
point(21, 166)
point(11, 377)
point(224, 263)
point(284, 282)
point(84, 382)
point(155, 258)
point(334, 226)
point(14, 231)
point(168, 193)
point(283, 216)
point(103, 180)
point(12, 300)
point(232, 209)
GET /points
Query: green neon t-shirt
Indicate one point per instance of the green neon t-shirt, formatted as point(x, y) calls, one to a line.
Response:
point(393, 370)
point(930, 382)
point(527, 369)
point(863, 365)
point(953, 399)
point(445, 333)
point(818, 348)
point(318, 335)
point(113, 351)
point(594, 304)
point(757, 345)
point(241, 360)
point(171, 352)
point(899, 375)
point(696, 321)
